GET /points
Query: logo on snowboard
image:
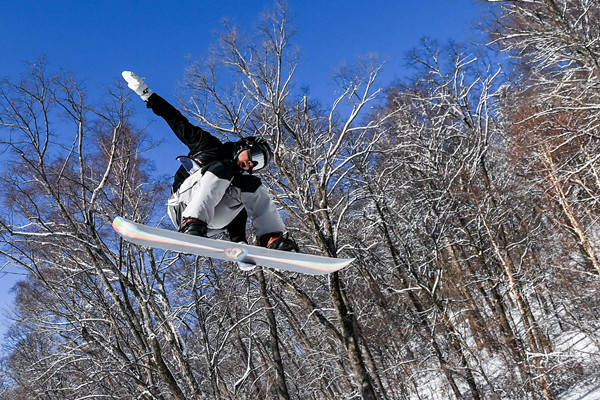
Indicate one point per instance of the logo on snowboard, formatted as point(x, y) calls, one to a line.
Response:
point(235, 253)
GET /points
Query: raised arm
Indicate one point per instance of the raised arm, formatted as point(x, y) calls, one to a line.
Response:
point(195, 138)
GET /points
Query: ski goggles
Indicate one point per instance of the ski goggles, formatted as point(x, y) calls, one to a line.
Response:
point(258, 158)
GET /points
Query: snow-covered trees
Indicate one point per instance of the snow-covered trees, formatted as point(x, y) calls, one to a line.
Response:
point(71, 169)
point(314, 150)
point(557, 43)
point(467, 196)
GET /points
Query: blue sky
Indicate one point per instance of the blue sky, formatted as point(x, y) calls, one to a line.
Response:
point(98, 39)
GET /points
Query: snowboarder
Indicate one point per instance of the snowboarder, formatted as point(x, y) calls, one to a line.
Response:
point(214, 189)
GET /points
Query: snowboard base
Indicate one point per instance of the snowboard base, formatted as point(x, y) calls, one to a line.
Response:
point(148, 236)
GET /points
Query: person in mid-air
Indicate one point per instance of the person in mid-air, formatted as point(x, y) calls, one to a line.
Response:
point(214, 189)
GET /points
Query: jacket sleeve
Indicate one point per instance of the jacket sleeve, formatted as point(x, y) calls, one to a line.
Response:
point(194, 137)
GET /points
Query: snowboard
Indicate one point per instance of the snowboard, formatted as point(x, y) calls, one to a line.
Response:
point(148, 236)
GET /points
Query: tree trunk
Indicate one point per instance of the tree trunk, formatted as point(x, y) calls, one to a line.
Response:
point(569, 211)
point(509, 270)
point(350, 338)
point(282, 389)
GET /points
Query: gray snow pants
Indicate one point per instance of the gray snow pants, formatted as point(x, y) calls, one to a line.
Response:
point(216, 196)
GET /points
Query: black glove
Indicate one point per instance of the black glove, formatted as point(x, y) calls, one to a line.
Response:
point(284, 244)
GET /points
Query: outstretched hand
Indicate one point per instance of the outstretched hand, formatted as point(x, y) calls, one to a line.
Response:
point(137, 84)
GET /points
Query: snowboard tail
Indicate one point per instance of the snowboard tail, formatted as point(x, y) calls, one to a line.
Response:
point(224, 250)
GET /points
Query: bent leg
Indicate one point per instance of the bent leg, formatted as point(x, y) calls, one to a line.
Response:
point(208, 193)
point(262, 211)
point(237, 227)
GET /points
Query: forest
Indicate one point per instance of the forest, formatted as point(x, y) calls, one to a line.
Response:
point(468, 194)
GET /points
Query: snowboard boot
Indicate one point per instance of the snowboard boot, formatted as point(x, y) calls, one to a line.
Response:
point(277, 241)
point(193, 226)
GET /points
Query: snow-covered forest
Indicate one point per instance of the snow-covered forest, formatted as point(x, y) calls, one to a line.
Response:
point(468, 194)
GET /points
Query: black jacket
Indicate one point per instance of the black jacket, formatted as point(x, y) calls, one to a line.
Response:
point(204, 147)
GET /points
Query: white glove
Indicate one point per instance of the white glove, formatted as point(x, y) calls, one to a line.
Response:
point(245, 266)
point(137, 84)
